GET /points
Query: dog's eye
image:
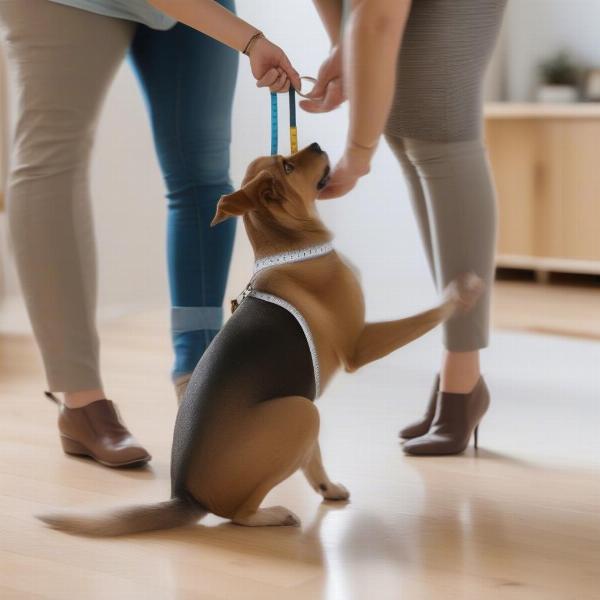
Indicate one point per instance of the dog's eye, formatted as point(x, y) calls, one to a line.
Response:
point(288, 167)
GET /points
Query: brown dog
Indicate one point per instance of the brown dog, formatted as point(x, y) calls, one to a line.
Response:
point(247, 421)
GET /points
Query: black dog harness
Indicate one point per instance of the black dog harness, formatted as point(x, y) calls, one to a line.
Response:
point(292, 256)
point(265, 351)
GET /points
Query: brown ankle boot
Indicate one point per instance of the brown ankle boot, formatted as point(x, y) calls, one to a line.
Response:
point(421, 427)
point(96, 431)
point(457, 417)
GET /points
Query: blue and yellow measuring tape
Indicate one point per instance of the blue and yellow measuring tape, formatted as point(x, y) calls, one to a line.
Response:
point(275, 123)
point(275, 117)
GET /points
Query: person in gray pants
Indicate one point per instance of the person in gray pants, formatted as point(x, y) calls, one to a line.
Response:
point(414, 71)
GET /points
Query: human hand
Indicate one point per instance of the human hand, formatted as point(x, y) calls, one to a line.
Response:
point(328, 92)
point(271, 67)
point(354, 164)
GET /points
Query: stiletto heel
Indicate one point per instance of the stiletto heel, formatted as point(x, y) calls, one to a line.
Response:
point(475, 437)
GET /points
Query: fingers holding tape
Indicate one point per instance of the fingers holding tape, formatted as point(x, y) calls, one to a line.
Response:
point(310, 80)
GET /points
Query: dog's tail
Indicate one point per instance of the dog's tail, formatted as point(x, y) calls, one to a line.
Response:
point(130, 519)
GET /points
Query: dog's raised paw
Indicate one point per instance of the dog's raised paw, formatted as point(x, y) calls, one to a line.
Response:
point(465, 291)
point(334, 491)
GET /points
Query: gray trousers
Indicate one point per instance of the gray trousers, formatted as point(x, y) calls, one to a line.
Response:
point(435, 130)
point(63, 60)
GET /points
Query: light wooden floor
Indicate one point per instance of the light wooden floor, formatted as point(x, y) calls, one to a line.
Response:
point(518, 521)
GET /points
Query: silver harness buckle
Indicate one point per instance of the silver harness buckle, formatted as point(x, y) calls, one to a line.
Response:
point(237, 301)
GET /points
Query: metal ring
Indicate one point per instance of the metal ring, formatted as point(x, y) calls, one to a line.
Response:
point(313, 81)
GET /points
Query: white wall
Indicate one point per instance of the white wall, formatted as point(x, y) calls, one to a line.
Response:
point(536, 29)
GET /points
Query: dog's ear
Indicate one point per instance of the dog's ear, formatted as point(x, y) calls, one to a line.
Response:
point(261, 187)
point(231, 205)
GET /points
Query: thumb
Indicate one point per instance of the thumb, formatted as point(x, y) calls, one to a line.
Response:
point(319, 88)
point(325, 75)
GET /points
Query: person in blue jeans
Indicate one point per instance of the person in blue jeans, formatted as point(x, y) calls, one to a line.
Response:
point(188, 81)
point(64, 54)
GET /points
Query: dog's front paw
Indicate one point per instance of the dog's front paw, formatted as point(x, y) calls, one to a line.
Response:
point(464, 291)
point(334, 491)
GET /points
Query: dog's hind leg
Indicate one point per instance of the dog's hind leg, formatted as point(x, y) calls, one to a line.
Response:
point(317, 477)
point(270, 441)
point(380, 339)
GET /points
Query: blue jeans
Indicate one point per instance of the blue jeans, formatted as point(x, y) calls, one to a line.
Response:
point(188, 81)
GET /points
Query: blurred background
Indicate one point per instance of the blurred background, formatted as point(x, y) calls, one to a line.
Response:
point(542, 129)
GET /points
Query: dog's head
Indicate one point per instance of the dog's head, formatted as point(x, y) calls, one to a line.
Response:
point(278, 192)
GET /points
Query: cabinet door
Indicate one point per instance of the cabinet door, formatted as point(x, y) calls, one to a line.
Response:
point(577, 163)
point(512, 146)
point(547, 174)
point(549, 205)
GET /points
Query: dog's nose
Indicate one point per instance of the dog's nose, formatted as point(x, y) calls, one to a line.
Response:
point(316, 148)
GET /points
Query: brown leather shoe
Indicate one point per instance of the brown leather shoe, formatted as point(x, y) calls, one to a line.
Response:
point(421, 427)
point(96, 431)
point(457, 417)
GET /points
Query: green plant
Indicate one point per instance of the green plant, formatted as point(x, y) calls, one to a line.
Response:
point(559, 70)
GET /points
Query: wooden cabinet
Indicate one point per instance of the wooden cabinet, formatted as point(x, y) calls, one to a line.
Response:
point(546, 163)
